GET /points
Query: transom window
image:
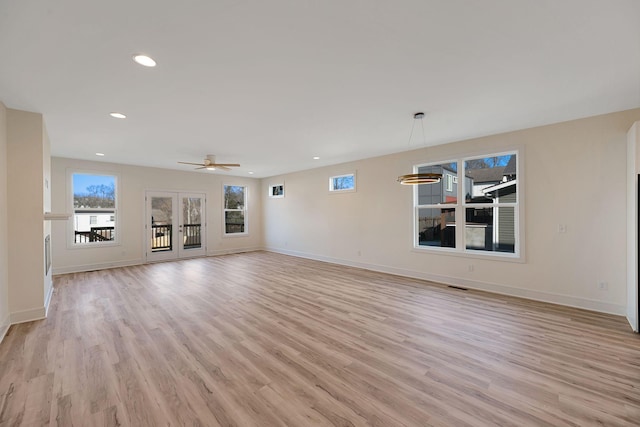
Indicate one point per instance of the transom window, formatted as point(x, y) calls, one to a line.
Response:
point(94, 208)
point(343, 183)
point(473, 209)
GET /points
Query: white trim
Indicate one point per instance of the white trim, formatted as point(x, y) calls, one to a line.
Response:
point(4, 327)
point(462, 205)
point(566, 300)
point(98, 266)
point(141, 261)
point(28, 315)
point(218, 252)
point(245, 210)
point(345, 190)
point(279, 196)
point(47, 300)
point(70, 233)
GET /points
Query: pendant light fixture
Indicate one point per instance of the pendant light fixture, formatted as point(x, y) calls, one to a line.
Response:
point(419, 178)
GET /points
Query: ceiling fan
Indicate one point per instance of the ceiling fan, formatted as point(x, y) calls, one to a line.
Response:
point(210, 164)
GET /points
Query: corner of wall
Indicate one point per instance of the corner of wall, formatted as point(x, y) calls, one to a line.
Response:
point(4, 245)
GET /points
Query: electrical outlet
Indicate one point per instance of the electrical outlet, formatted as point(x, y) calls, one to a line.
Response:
point(470, 267)
point(603, 286)
point(562, 228)
point(359, 253)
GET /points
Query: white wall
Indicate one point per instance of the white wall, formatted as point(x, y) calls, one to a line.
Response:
point(132, 184)
point(574, 174)
point(28, 286)
point(633, 168)
point(4, 239)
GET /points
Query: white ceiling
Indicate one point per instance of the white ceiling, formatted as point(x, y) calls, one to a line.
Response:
point(269, 84)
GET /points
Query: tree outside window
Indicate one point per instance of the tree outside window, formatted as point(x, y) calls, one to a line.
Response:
point(235, 203)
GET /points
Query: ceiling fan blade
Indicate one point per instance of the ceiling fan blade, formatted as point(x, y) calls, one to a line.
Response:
point(202, 167)
point(234, 165)
point(224, 168)
point(189, 163)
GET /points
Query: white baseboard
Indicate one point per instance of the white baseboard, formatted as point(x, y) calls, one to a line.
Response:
point(232, 251)
point(98, 266)
point(4, 327)
point(571, 301)
point(28, 315)
point(140, 261)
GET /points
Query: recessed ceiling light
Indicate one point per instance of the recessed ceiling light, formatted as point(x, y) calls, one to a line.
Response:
point(250, 172)
point(117, 115)
point(145, 60)
point(316, 158)
point(100, 154)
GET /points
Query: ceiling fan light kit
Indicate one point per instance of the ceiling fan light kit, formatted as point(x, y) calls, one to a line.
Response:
point(210, 164)
point(419, 178)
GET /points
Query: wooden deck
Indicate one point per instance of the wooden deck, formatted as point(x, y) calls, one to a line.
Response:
point(261, 339)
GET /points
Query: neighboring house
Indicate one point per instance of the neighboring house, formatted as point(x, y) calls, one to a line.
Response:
point(446, 191)
point(484, 178)
point(87, 221)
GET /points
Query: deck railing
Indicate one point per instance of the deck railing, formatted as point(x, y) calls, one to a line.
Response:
point(161, 239)
point(95, 234)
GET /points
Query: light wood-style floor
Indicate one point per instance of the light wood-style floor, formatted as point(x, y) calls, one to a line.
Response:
point(261, 339)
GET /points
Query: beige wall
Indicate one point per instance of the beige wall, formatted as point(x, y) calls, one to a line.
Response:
point(574, 173)
point(4, 243)
point(133, 182)
point(46, 201)
point(25, 151)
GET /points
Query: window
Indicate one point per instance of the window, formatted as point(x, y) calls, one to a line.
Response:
point(94, 208)
point(276, 191)
point(235, 209)
point(491, 203)
point(449, 181)
point(436, 207)
point(343, 183)
point(484, 208)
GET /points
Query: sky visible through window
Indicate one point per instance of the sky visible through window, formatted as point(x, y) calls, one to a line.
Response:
point(81, 181)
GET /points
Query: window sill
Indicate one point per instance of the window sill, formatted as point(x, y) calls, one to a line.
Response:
point(233, 235)
point(491, 256)
point(94, 245)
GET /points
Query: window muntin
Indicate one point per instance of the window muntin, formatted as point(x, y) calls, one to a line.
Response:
point(478, 196)
point(94, 208)
point(235, 209)
point(340, 183)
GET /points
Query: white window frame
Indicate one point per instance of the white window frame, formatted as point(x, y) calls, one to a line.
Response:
point(462, 205)
point(417, 207)
point(117, 227)
point(244, 209)
point(278, 196)
point(345, 190)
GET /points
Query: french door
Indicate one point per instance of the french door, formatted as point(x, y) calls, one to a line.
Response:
point(175, 225)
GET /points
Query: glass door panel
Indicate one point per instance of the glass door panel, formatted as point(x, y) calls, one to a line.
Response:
point(192, 225)
point(175, 225)
point(161, 224)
